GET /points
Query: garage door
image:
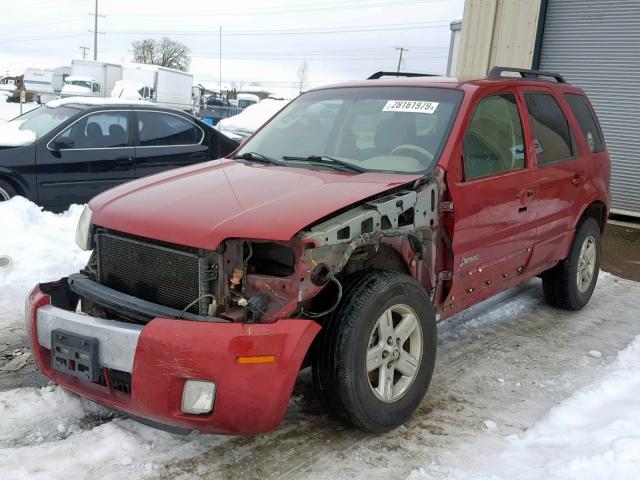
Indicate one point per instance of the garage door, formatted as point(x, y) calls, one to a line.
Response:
point(595, 45)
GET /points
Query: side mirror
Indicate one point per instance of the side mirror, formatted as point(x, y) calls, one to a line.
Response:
point(62, 144)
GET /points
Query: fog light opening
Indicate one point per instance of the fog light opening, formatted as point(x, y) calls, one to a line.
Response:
point(198, 397)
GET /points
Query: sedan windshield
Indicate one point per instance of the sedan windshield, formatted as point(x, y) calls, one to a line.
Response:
point(397, 129)
point(44, 119)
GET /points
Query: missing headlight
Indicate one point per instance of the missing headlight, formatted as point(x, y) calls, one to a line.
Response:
point(271, 259)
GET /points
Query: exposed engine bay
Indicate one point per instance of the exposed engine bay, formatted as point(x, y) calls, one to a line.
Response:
point(247, 280)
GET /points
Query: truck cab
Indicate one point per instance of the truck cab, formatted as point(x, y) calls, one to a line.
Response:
point(80, 86)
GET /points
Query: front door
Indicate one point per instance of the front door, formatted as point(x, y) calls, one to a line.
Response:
point(90, 156)
point(494, 202)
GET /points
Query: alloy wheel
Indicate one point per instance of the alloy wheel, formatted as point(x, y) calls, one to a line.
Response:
point(586, 263)
point(394, 353)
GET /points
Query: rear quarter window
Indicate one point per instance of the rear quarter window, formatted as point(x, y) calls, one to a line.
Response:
point(588, 124)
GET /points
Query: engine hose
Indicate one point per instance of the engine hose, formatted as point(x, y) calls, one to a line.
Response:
point(332, 278)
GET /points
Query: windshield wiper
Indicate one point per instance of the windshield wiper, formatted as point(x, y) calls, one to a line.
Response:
point(257, 157)
point(331, 161)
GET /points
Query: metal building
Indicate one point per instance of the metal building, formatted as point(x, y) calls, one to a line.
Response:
point(594, 44)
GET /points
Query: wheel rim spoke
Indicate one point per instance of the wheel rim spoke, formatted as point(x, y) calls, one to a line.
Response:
point(407, 364)
point(374, 357)
point(386, 325)
point(406, 327)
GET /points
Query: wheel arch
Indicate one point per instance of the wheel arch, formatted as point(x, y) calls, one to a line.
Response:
point(16, 181)
point(386, 258)
point(598, 211)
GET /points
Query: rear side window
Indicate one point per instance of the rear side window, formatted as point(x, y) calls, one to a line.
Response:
point(494, 142)
point(580, 108)
point(165, 129)
point(550, 128)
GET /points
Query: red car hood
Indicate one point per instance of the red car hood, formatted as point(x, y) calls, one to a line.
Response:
point(202, 205)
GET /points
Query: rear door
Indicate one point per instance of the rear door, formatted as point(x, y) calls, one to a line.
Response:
point(91, 155)
point(562, 172)
point(494, 201)
point(167, 140)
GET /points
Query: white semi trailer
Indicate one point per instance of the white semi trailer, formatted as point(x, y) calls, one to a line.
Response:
point(91, 79)
point(161, 85)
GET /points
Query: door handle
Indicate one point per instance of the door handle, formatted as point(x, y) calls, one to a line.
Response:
point(124, 160)
point(578, 179)
point(199, 156)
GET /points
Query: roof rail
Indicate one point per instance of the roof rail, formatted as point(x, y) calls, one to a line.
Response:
point(381, 74)
point(496, 74)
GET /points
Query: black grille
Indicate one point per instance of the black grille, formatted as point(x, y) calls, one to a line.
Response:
point(150, 272)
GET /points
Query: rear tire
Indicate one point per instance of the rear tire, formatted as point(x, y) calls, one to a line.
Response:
point(570, 284)
point(6, 191)
point(376, 353)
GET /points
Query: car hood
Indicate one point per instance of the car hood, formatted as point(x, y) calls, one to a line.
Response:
point(203, 205)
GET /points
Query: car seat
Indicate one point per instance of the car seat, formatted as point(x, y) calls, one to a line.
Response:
point(117, 136)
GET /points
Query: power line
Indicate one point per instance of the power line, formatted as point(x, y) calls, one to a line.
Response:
point(318, 7)
point(363, 28)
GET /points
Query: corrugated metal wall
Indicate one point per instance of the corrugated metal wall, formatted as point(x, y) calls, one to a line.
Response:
point(595, 44)
point(496, 32)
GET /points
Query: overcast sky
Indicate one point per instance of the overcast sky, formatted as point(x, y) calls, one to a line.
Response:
point(262, 40)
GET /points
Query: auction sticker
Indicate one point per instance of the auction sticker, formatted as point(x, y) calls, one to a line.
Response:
point(412, 106)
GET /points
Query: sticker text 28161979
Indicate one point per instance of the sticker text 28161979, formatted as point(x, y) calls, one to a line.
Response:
point(413, 106)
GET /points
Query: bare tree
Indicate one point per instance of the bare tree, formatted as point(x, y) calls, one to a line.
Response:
point(164, 52)
point(303, 76)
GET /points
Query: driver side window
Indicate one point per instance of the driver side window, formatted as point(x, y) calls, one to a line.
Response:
point(494, 141)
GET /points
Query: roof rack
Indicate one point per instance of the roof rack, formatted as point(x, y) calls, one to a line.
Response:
point(381, 74)
point(496, 74)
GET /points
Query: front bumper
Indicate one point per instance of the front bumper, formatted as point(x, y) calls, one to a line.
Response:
point(163, 354)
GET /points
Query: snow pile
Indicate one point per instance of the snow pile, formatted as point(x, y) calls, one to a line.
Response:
point(50, 434)
point(252, 117)
point(25, 414)
point(91, 101)
point(12, 136)
point(42, 247)
point(593, 435)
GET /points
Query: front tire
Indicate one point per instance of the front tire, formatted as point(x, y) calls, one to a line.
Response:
point(570, 284)
point(376, 353)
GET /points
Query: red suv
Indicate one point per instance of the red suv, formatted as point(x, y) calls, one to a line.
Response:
point(336, 237)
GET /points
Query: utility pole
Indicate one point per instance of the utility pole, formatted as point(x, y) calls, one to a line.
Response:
point(95, 31)
point(402, 50)
point(84, 52)
point(95, 35)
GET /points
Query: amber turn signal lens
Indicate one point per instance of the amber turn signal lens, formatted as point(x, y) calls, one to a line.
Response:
point(256, 359)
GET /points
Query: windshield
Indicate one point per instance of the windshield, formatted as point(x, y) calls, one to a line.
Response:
point(79, 83)
point(398, 129)
point(44, 119)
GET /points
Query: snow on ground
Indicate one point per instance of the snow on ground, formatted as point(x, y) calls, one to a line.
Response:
point(9, 110)
point(593, 435)
point(252, 117)
point(42, 247)
point(50, 434)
